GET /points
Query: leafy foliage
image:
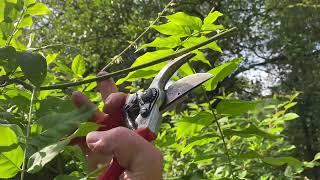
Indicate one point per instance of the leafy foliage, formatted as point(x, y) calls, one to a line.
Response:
point(11, 153)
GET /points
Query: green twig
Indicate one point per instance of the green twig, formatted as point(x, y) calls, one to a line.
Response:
point(127, 70)
point(218, 125)
point(51, 46)
point(139, 37)
point(27, 135)
point(15, 27)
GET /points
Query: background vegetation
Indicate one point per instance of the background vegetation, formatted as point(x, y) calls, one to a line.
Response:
point(256, 119)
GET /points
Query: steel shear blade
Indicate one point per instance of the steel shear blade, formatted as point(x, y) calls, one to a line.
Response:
point(143, 109)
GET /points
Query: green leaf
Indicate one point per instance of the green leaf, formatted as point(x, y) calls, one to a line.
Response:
point(250, 131)
point(212, 17)
point(207, 28)
point(316, 157)
point(200, 142)
point(140, 74)
point(8, 58)
point(184, 19)
point(148, 72)
point(34, 67)
point(54, 104)
point(12, 158)
point(28, 2)
point(2, 7)
point(290, 105)
point(235, 107)
point(171, 28)
point(37, 161)
point(78, 65)
point(248, 155)
point(58, 125)
point(12, 1)
point(185, 70)
point(221, 72)
point(38, 9)
point(26, 21)
point(200, 57)
point(190, 126)
point(291, 161)
point(209, 20)
point(149, 56)
point(196, 40)
point(289, 116)
point(167, 42)
point(51, 57)
point(87, 127)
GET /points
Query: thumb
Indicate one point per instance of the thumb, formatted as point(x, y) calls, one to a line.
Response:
point(132, 152)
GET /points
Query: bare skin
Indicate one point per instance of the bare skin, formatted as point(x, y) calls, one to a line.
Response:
point(139, 157)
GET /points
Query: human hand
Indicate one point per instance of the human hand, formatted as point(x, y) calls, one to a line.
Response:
point(139, 157)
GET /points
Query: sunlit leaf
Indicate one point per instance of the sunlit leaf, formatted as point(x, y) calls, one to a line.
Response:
point(86, 127)
point(12, 1)
point(28, 61)
point(167, 42)
point(190, 125)
point(28, 2)
point(171, 28)
point(250, 131)
point(200, 57)
point(12, 158)
point(37, 161)
point(78, 65)
point(282, 160)
point(221, 72)
point(248, 155)
point(185, 70)
point(196, 40)
point(200, 142)
point(317, 157)
point(149, 72)
point(38, 9)
point(149, 56)
point(2, 7)
point(235, 107)
point(289, 116)
point(208, 25)
point(212, 17)
point(184, 19)
point(51, 57)
point(26, 21)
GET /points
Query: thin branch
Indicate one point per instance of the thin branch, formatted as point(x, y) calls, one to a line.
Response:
point(27, 135)
point(5, 81)
point(16, 27)
point(215, 119)
point(51, 46)
point(139, 37)
point(127, 70)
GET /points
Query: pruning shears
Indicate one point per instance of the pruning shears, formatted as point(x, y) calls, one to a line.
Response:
point(143, 109)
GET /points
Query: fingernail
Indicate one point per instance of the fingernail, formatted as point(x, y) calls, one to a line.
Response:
point(93, 138)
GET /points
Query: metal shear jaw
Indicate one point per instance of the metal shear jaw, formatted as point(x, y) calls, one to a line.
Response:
point(147, 106)
point(150, 116)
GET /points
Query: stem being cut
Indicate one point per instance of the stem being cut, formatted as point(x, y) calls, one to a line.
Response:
point(27, 135)
point(127, 70)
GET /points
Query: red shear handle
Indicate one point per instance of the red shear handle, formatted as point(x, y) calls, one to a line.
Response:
point(115, 170)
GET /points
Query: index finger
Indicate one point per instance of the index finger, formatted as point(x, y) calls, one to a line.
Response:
point(106, 87)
